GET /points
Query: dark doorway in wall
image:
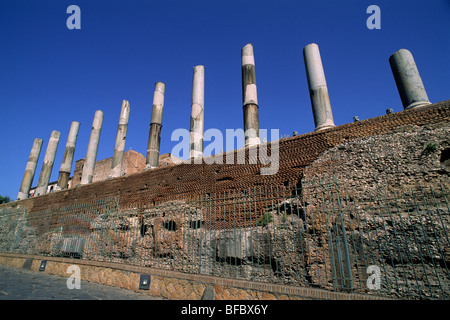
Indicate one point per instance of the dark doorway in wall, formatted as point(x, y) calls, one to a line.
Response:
point(445, 158)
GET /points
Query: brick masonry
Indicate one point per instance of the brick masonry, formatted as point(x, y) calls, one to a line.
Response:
point(184, 181)
point(133, 162)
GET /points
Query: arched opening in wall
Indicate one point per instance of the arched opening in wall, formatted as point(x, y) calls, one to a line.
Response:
point(445, 158)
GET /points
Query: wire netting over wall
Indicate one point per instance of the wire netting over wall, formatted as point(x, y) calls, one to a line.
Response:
point(317, 234)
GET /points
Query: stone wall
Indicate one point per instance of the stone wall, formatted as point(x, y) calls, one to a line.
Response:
point(300, 245)
point(390, 193)
point(172, 285)
point(408, 156)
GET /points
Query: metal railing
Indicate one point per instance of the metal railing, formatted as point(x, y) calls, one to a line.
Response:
point(391, 243)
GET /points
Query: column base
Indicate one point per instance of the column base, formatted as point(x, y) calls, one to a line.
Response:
point(325, 126)
point(22, 196)
point(149, 167)
point(417, 104)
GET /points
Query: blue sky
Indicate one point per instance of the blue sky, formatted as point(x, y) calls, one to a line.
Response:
point(51, 76)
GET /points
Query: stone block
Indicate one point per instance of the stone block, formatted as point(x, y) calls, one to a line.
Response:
point(234, 244)
point(209, 293)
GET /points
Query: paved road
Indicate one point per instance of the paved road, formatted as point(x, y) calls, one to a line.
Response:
point(21, 284)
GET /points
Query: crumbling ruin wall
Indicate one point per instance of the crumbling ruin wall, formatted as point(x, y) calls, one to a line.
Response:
point(409, 156)
point(389, 193)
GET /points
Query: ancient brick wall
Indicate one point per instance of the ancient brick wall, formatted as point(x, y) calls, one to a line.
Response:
point(133, 162)
point(184, 181)
point(78, 172)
